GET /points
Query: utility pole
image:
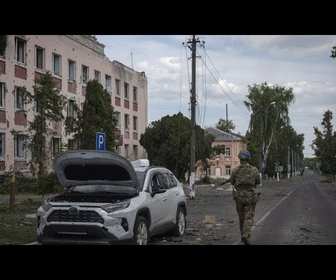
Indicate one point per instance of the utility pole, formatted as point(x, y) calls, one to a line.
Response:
point(276, 158)
point(132, 60)
point(293, 174)
point(288, 162)
point(193, 43)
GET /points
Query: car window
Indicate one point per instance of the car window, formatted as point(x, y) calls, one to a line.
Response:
point(173, 182)
point(165, 182)
point(155, 181)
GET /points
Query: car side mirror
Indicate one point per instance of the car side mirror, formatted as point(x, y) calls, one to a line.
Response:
point(157, 189)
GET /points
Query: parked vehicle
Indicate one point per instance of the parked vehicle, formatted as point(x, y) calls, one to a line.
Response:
point(110, 200)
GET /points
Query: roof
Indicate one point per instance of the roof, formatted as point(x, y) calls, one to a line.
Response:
point(224, 136)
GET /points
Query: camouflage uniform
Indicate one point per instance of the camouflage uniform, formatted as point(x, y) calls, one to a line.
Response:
point(244, 180)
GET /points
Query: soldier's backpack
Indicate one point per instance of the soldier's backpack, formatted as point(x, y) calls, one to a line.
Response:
point(245, 175)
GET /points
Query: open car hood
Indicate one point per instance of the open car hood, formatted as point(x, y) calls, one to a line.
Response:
point(86, 167)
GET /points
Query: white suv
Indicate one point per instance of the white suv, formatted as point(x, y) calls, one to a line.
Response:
point(110, 200)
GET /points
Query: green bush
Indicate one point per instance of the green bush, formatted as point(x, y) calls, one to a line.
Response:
point(48, 183)
point(25, 184)
point(4, 184)
point(208, 180)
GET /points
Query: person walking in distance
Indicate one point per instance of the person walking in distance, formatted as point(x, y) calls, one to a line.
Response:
point(244, 180)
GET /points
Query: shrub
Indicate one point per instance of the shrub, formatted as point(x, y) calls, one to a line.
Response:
point(24, 183)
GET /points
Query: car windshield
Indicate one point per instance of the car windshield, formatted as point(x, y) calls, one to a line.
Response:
point(113, 189)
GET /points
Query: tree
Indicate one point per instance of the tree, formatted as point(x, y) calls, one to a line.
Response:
point(333, 52)
point(324, 145)
point(219, 149)
point(225, 125)
point(269, 106)
point(48, 106)
point(3, 44)
point(97, 116)
point(73, 124)
point(287, 151)
point(167, 142)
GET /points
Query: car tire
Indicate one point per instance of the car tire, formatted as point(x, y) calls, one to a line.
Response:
point(141, 231)
point(181, 222)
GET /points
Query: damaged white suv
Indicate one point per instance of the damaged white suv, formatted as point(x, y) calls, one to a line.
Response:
point(110, 200)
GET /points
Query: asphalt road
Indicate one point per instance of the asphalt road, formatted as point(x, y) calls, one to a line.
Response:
point(296, 211)
point(305, 216)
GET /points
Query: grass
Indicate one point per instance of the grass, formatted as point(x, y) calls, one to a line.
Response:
point(329, 178)
point(15, 227)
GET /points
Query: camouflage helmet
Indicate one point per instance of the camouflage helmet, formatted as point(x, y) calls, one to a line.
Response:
point(244, 154)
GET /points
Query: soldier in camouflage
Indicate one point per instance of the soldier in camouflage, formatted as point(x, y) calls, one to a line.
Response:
point(244, 180)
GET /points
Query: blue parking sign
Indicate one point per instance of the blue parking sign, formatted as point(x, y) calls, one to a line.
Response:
point(100, 141)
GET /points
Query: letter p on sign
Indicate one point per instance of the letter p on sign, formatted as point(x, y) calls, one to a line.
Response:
point(100, 141)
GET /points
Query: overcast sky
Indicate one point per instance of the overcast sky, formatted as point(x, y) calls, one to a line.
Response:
point(226, 66)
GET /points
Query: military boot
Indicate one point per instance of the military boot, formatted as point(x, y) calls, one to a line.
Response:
point(245, 239)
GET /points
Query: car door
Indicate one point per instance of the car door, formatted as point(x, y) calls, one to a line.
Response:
point(159, 203)
point(170, 196)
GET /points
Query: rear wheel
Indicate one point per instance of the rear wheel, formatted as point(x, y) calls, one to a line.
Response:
point(141, 231)
point(181, 222)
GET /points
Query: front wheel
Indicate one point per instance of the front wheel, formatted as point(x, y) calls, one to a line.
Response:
point(181, 222)
point(141, 231)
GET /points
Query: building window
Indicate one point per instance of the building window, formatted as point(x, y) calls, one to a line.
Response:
point(117, 114)
point(97, 75)
point(135, 123)
point(56, 64)
point(72, 144)
point(37, 106)
point(39, 57)
point(19, 104)
point(227, 151)
point(2, 95)
point(228, 170)
point(71, 108)
point(56, 146)
point(126, 121)
point(108, 83)
point(135, 94)
point(2, 144)
point(19, 146)
point(126, 86)
point(20, 50)
point(72, 70)
point(117, 87)
point(85, 74)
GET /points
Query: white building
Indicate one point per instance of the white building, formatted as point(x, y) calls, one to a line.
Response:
point(73, 60)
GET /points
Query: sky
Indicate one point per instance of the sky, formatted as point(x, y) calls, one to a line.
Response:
point(226, 65)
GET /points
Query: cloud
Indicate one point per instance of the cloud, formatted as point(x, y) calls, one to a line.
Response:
point(226, 65)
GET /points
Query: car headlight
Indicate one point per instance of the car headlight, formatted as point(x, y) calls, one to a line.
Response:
point(109, 208)
point(46, 205)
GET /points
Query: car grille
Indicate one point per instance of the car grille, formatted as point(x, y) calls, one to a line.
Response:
point(80, 217)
